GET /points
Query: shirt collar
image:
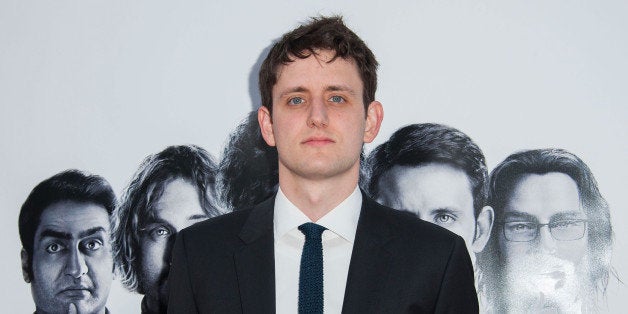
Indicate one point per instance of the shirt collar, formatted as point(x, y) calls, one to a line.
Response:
point(286, 216)
point(342, 220)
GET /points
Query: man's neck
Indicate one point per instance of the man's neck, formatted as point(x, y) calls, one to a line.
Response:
point(317, 197)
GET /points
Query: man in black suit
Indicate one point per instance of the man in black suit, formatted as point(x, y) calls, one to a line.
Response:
point(320, 244)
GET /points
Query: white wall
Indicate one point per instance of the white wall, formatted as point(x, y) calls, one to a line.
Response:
point(98, 85)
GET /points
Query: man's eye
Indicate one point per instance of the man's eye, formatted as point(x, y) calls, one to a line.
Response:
point(92, 245)
point(295, 101)
point(521, 226)
point(336, 99)
point(444, 219)
point(54, 248)
point(161, 232)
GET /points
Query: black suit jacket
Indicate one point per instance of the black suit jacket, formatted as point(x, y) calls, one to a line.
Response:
point(399, 264)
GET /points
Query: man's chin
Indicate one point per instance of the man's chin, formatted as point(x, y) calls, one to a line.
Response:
point(545, 289)
point(81, 306)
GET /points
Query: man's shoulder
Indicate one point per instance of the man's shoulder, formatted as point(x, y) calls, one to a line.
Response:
point(220, 224)
point(229, 224)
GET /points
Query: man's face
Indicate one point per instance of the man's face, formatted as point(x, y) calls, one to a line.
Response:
point(72, 259)
point(318, 121)
point(177, 208)
point(544, 273)
point(436, 192)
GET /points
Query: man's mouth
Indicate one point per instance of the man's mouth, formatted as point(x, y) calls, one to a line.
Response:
point(75, 292)
point(318, 141)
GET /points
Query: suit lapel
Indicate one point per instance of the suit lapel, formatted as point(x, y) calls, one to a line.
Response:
point(255, 261)
point(368, 270)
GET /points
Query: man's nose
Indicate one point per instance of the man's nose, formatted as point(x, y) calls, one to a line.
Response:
point(547, 242)
point(318, 114)
point(75, 264)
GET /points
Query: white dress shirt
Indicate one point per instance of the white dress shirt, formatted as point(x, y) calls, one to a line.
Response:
point(341, 223)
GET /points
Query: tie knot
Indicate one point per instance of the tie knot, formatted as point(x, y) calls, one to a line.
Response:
point(312, 230)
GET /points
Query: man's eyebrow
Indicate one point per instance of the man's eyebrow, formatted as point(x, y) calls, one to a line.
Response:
point(518, 214)
point(55, 234)
point(297, 89)
point(91, 231)
point(156, 220)
point(68, 236)
point(443, 210)
point(340, 88)
point(568, 214)
point(330, 88)
point(198, 216)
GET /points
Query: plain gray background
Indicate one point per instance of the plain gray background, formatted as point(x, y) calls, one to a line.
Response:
point(98, 85)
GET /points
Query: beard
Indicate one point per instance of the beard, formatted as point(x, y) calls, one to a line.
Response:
point(155, 292)
point(545, 283)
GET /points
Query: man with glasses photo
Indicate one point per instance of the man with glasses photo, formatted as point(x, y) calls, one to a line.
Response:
point(550, 247)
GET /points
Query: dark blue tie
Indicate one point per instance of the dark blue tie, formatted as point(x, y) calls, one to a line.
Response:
point(311, 272)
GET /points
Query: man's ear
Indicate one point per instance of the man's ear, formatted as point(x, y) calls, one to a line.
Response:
point(374, 117)
point(266, 125)
point(25, 265)
point(483, 227)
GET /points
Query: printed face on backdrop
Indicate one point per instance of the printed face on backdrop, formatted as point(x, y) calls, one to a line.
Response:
point(177, 208)
point(544, 244)
point(437, 193)
point(72, 259)
point(318, 122)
